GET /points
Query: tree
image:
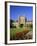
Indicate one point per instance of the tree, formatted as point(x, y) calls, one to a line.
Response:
point(11, 21)
point(21, 25)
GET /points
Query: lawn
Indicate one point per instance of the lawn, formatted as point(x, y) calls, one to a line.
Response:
point(14, 30)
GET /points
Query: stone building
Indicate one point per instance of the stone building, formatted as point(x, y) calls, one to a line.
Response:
point(22, 21)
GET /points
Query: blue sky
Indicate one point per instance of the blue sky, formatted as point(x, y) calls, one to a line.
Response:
point(16, 11)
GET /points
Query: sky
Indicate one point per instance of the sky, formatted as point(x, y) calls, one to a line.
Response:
point(16, 11)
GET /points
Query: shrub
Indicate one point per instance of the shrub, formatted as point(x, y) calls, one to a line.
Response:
point(25, 31)
point(21, 25)
point(19, 35)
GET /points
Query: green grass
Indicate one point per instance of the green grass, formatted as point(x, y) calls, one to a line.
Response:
point(14, 30)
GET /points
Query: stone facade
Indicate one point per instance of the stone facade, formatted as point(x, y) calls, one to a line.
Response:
point(22, 20)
